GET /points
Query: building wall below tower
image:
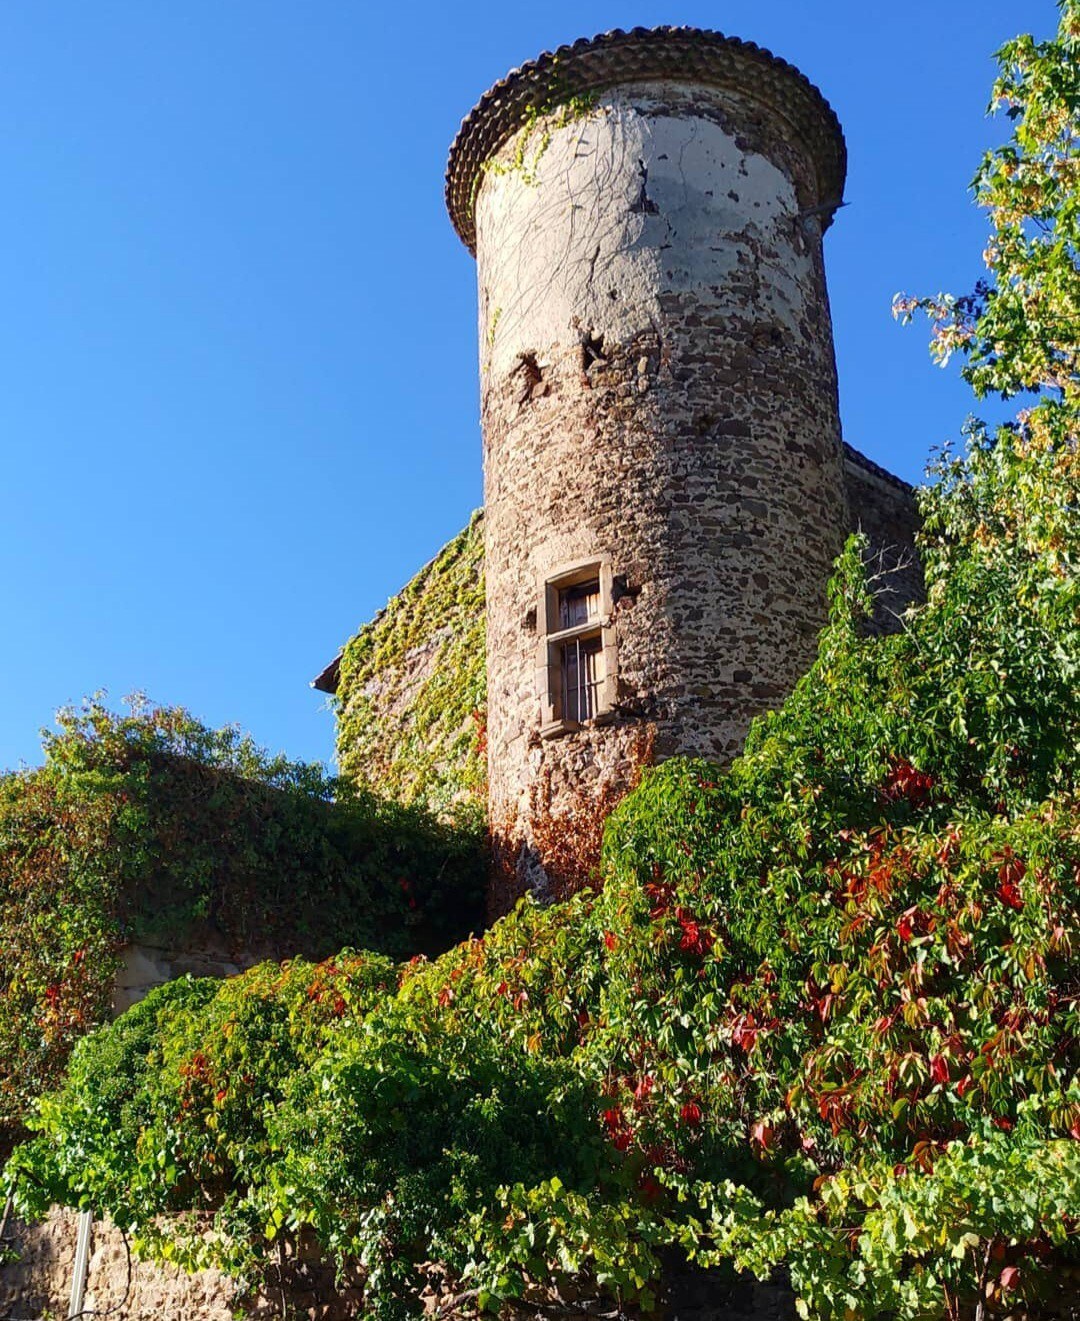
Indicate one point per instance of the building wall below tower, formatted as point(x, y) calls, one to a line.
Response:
point(884, 508)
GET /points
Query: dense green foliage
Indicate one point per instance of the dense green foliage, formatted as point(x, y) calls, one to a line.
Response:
point(411, 699)
point(152, 827)
point(823, 1014)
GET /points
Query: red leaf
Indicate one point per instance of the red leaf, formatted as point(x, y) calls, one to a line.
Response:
point(1009, 893)
point(905, 783)
point(650, 1189)
point(1009, 1278)
point(690, 1114)
point(745, 1032)
point(763, 1134)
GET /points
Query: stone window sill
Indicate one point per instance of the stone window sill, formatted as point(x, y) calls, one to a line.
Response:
point(556, 728)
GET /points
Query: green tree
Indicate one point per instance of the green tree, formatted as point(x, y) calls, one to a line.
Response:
point(1019, 330)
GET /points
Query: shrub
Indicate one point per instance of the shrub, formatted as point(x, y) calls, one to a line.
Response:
point(152, 827)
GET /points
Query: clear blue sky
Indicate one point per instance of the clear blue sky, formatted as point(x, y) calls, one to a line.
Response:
point(238, 397)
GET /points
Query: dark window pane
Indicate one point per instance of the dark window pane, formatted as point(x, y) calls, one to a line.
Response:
point(579, 604)
point(582, 675)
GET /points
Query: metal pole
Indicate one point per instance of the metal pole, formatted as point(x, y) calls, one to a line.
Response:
point(82, 1261)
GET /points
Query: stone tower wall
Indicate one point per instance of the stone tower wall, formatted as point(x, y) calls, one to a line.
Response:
point(658, 392)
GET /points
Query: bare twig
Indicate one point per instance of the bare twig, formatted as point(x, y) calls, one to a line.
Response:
point(980, 1301)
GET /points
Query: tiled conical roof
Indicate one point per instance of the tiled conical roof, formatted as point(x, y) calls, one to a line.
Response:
point(643, 54)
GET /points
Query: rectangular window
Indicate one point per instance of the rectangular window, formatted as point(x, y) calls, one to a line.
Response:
point(582, 677)
point(576, 666)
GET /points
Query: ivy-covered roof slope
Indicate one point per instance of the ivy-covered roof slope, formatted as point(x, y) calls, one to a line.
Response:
point(410, 687)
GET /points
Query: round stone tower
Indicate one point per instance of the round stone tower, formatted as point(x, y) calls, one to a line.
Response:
point(662, 461)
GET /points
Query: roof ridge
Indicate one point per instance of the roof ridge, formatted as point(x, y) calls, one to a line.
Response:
point(859, 458)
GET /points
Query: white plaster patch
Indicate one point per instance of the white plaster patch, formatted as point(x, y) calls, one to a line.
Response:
point(616, 208)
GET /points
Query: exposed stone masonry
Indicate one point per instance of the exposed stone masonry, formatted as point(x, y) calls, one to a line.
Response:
point(37, 1286)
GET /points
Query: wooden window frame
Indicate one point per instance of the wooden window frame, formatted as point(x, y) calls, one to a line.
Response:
point(552, 638)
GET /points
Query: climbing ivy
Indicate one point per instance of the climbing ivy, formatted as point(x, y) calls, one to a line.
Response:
point(823, 1013)
point(539, 124)
point(411, 697)
point(149, 826)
